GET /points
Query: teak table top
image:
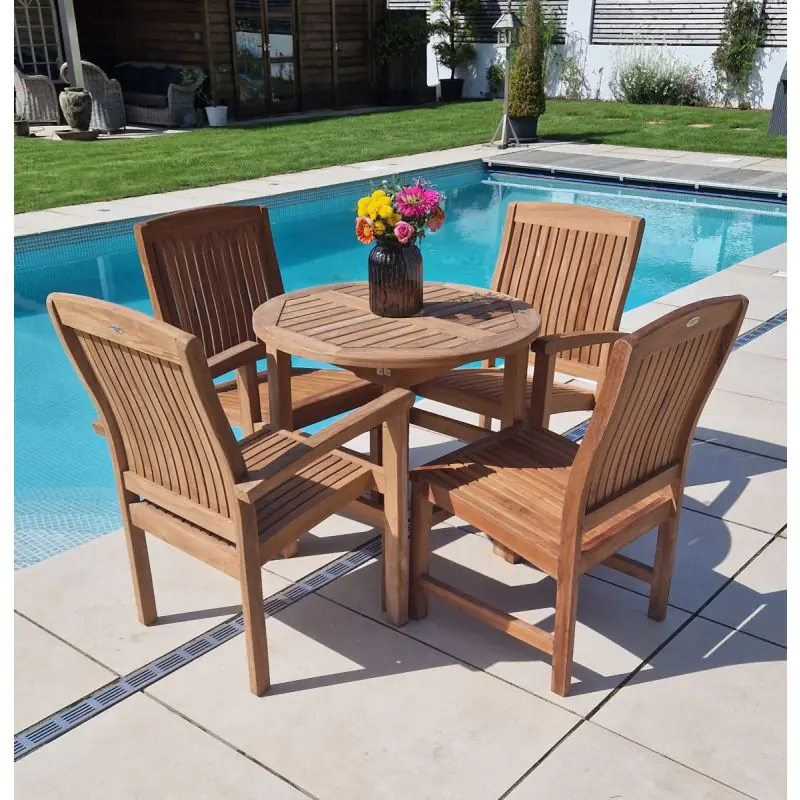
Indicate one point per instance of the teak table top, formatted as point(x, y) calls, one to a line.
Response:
point(457, 324)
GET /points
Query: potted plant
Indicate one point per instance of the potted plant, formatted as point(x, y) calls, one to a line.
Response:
point(216, 113)
point(454, 46)
point(400, 42)
point(526, 100)
point(21, 126)
point(396, 217)
point(76, 106)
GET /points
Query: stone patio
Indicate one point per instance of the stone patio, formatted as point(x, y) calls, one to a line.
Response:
point(446, 707)
point(693, 707)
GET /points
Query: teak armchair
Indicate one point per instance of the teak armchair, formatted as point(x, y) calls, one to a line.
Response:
point(566, 508)
point(574, 265)
point(206, 271)
point(180, 473)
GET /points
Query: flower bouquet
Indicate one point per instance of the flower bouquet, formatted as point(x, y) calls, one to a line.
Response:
point(395, 218)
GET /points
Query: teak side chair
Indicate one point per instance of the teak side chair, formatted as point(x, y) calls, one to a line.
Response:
point(574, 265)
point(566, 508)
point(182, 476)
point(206, 271)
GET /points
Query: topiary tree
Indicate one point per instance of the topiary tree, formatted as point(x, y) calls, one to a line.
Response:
point(454, 32)
point(526, 81)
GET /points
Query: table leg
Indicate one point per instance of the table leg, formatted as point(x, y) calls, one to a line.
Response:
point(279, 372)
point(515, 376)
point(279, 383)
point(395, 506)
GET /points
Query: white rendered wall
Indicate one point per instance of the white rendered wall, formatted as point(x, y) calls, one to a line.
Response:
point(598, 62)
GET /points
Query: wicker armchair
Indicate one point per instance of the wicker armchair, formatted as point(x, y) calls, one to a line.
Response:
point(156, 96)
point(35, 98)
point(108, 107)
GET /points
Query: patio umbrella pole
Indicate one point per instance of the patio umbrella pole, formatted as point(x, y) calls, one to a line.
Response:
point(66, 11)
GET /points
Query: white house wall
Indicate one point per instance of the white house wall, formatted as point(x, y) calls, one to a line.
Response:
point(598, 62)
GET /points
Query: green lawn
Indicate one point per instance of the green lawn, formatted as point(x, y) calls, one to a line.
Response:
point(54, 173)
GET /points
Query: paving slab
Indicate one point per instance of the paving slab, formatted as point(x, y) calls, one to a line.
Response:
point(324, 543)
point(737, 486)
point(744, 422)
point(140, 750)
point(766, 293)
point(613, 637)
point(85, 597)
point(359, 710)
point(710, 551)
point(49, 674)
point(714, 700)
point(754, 375)
point(756, 601)
point(596, 764)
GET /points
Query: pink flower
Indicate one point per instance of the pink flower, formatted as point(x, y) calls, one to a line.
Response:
point(416, 201)
point(403, 232)
point(437, 219)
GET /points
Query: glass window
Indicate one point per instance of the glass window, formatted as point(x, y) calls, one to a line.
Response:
point(37, 43)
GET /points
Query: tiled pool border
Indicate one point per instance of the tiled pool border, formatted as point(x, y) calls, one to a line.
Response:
point(45, 731)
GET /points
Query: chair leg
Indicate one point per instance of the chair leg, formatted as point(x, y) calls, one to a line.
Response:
point(485, 422)
point(255, 623)
point(376, 455)
point(564, 636)
point(662, 569)
point(421, 513)
point(290, 551)
point(504, 553)
point(140, 572)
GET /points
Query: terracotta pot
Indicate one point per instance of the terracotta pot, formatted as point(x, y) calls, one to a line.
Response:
point(395, 279)
point(76, 105)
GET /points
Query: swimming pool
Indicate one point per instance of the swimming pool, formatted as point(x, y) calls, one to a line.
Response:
point(63, 490)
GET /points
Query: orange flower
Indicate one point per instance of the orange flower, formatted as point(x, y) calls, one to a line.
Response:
point(365, 233)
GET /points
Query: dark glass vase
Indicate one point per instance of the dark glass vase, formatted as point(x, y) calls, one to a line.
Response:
point(395, 279)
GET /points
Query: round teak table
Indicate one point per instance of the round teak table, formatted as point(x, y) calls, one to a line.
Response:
point(457, 325)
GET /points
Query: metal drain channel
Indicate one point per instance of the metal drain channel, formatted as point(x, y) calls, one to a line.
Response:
point(63, 721)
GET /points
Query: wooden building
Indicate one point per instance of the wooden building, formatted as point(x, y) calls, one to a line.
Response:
point(262, 56)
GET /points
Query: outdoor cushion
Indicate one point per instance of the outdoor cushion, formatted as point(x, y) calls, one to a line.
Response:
point(128, 76)
point(146, 100)
point(150, 80)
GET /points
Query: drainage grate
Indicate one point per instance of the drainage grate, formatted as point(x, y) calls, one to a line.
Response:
point(760, 330)
point(43, 732)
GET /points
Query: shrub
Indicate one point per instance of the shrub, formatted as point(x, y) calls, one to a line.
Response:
point(495, 77)
point(648, 74)
point(744, 29)
point(526, 81)
point(453, 26)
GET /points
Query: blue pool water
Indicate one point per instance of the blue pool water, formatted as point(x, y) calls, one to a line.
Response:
point(64, 492)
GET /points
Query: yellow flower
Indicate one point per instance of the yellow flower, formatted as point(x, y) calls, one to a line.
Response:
point(363, 206)
point(379, 227)
point(386, 211)
point(378, 194)
point(372, 209)
point(395, 218)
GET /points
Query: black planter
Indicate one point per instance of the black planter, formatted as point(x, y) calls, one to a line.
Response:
point(452, 88)
point(525, 128)
point(395, 279)
point(76, 105)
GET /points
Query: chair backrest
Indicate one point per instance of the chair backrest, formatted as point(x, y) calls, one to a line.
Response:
point(208, 269)
point(574, 265)
point(657, 382)
point(170, 441)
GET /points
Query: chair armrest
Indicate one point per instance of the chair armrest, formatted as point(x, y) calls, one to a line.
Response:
point(240, 355)
point(558, 342)
point(257, 483)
